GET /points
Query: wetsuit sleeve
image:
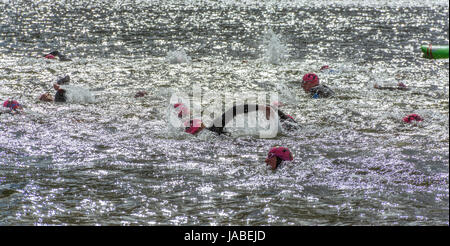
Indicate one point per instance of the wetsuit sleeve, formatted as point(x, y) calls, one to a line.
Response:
point(284, 117)
point(321, 91)
point(63, 81)
point(220, 122)
point(60, 96)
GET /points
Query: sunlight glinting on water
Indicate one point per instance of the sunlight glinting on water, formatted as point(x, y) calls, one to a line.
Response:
point(106, 157)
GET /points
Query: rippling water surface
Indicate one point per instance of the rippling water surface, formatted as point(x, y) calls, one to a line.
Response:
point(114, 160)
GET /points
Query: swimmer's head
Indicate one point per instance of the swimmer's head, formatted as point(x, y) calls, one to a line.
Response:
point(324, 67)
point(276, 155)
point(309, 81)
point(12, 104)
point(193, 126)
point(50, 56)
point(401, 85)
point(140, 94)
point(54, 53)
point(56, 87)
point(46, 97)
point(412, 117)
point(182, 109)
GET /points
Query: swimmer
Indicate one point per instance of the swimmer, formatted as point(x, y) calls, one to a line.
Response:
point(46, 97)
point(55, 54)
point(327, 69)
point(432, 91)
point(195, 126)
point(412, 117)
point(310, 84)
point(277, 155)
point(140, 94)
point(60, 95)
point(400, 86)
point(13, 106)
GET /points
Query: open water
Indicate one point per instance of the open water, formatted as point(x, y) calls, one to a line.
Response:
point(107, 158)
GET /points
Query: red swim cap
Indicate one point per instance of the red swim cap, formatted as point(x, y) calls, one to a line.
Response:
point(401, 84)
point(324, 67)
point(193, 126)
point(182, 109)
point(50, 56)
point(176, 105)
point(12, 104)
point(412, 117)
point(281, 152)
point(310, 77)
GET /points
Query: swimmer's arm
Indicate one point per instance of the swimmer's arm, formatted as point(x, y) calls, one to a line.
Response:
point(236, 110)
point(220, 122)
point(284, 117)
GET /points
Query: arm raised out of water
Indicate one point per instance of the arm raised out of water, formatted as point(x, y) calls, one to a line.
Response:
point(220, 122)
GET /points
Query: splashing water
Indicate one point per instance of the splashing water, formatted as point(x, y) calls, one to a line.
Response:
point(75, 94)
point(177, 56)
point(276, 51)
point(287, 94)
point(120, 163)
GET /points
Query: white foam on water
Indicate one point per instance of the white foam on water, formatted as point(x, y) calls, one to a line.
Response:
point(275, 50)
point(254, 124)
point(75, 94)
point(286, 94)
point(177, 57)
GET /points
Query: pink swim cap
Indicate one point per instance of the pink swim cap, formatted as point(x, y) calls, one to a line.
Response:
point(182, 109)
point(193, 126)
point(50, 56)
point(401, 84)
point(412, 117)
point(11, 104)
point(281, 152)
point(310, 77)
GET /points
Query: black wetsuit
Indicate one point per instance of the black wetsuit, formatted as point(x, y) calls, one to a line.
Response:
point(60, 96)
point(63, 81)
point(220, 122)
point(321, 91)
point(391, 88)
point(59, 55)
